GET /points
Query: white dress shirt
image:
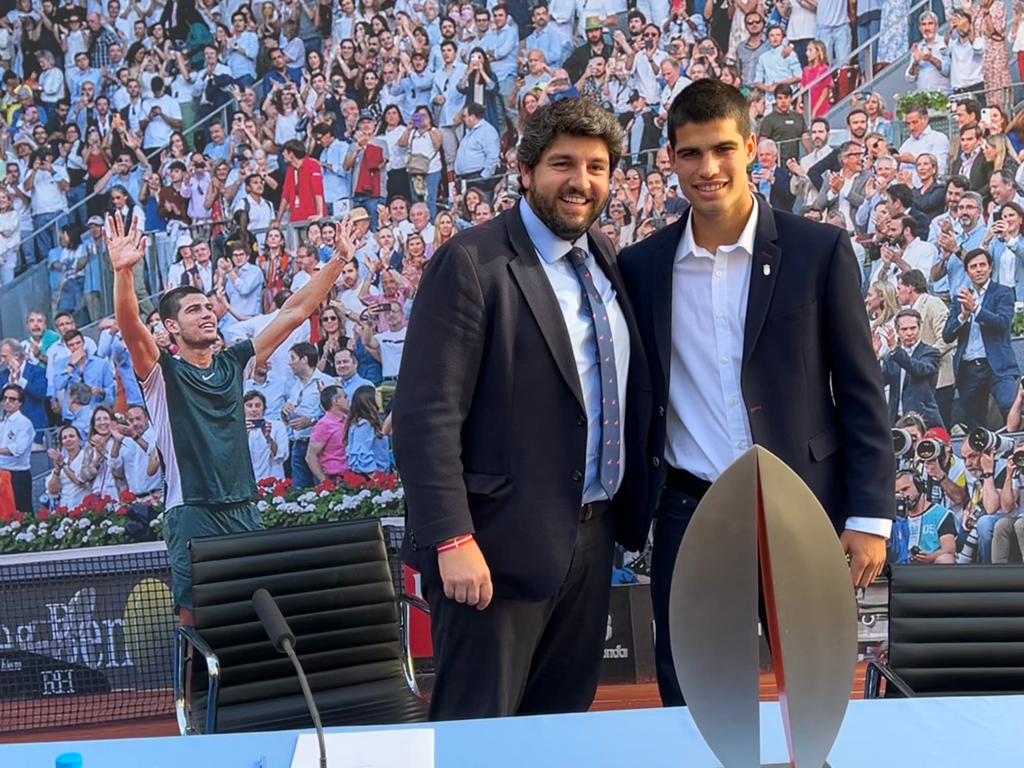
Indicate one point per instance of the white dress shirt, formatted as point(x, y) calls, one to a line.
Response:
point(135, 462)
point(552, 251)
point(16, 435)
point(264, 463)
point(707, 427)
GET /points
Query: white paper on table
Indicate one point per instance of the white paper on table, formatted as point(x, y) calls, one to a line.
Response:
point(400, 748)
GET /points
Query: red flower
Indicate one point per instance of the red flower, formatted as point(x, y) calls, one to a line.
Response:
point(42, 514)
point(326, 485)
point(353, 480)
point(127, 497)
point(77, 512)
point(122, 511)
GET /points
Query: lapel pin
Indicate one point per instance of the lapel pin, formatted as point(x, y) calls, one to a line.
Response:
point(767, 269)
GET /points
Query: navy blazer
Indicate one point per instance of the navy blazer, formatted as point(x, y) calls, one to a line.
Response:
point(34, 406)
point(490, 426)
point(995, 318)
point(922, 374)
point(810, 379)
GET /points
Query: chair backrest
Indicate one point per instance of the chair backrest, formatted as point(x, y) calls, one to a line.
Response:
point(333, 585)
point(957, 629)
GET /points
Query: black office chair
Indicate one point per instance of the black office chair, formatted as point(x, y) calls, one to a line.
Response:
point(954, 630)
point(333, 585)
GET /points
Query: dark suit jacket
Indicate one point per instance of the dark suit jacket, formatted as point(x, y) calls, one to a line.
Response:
point(490, 428)
point(810, 379)
point(781, 198)
point(995, 318)
point(922, 373)
point(981, 171)
point(34, 406)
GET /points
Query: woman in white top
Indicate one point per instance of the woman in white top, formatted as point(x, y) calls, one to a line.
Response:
point(65, 482)
point(97, 464)
point(281, 107)
point(423, 140)
point(392, 128)
point(51, 80)
point(10, 238)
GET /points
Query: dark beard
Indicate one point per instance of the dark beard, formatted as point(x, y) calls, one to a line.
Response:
point(546, 210)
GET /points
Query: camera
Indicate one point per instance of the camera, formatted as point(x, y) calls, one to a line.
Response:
point(258, 423)
point(902, 506)
point(986, 441)
point(932, 449)
point(1018, 460)
point(902, 442)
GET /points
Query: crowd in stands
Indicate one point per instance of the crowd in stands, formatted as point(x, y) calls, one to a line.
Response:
point(240, 132)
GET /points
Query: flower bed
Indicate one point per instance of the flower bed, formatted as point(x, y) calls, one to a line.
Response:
point(102, 521)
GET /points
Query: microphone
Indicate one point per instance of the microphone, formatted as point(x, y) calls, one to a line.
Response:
point(283, 640)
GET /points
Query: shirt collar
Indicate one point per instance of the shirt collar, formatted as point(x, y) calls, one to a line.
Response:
point(746, 240)
point(549, 246)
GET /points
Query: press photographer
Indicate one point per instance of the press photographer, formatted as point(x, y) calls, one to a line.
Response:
point(929, 530)
point(1008, 531)
point(984, 454)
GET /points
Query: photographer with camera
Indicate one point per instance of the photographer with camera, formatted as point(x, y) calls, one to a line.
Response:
point(981, 454)
point(944, 472)
point(1009, 526)
point(931, 527)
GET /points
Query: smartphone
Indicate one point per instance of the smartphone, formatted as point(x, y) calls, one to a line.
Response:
point(258, 423)
point(987, 113)
point(756, 169)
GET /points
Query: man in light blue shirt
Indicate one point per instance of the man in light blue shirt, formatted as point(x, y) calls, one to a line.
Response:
point(83, 368)
point(112, 347)
point(347, 365)
point(501, 44)
point(243, 48)
point(778, 65)
point(337, 181)
point(929, 59)
point(82, 73)
point(954, 245)
point(244, 284)
point(478, 153)
point(548, 39)
point(415, 87)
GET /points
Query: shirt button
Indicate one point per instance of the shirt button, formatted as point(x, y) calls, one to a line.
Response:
point(720, 315)
point(581, 420)
point(661, 410)
point(740, 444)
point(725, 359)
point(577, 475)
point(656, 461)
point(718, 273)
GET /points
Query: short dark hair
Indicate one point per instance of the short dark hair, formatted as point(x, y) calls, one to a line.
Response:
point(59, 315)
point(569, 117)
point(16, 389)
point(856, 111)
point(73, 333)
point(971, 107)
point(902, 194)
point(705, 101)
point(253, 394)
point(959, 181)
point(296, 147)
point(907, 222)
point(908, 313)
point(327, 395)
point(783, 89)
point(307, 352)
point(476, 110)
point(170, 304)
point(975, 253)
point(972, 128)
point(823, 121)
point(914, 278)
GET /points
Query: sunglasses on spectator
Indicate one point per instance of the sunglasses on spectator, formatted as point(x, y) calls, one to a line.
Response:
point(752, 22)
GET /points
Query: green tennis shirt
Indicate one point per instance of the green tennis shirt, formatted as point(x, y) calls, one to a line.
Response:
point(199, 419)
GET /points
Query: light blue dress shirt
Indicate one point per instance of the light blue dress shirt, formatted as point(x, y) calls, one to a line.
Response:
point(552, 251)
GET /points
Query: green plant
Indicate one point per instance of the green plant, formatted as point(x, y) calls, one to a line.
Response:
point(934, 101)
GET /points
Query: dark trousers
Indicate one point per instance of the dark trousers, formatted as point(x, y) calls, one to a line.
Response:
point(674, 513)
point(944, 399)
point(526, 658)
point(21, 484)
point(976, 381)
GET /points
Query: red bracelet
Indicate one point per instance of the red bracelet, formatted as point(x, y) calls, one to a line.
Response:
point(455, 543)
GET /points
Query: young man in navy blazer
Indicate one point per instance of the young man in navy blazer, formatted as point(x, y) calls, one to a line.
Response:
point(755, 333)
point(979, 321)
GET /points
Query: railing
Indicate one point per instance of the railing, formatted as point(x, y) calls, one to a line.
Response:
point(41, 301)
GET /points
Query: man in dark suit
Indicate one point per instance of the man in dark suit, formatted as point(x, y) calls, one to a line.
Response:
point(643, 134)
point(756, 334)
point(979, 321)
point(16, 369)
point(509, 432)
point(911, 369)
point(971, 161)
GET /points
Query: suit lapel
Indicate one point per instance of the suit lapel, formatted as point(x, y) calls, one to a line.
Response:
point(529, 273)
point(661, 263)
point(765, 267)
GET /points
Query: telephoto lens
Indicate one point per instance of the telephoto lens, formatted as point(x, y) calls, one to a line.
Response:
point(931, 449)
point(986, 441)
point(902, 442)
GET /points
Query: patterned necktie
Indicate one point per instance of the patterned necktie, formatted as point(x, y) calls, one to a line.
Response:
point(610, 433)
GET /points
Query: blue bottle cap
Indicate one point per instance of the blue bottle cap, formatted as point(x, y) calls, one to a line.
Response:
point(69, 760)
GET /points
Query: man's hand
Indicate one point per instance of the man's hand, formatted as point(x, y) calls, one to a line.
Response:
point(465, 575)
point(867, 556)
point(934, 470)
point(126, 249)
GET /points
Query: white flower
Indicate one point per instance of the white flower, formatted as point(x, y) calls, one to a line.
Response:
point(278, 500)
point(84, 523)
point(262, 505)
point(15, 525)
point(115, 530)
point(324, 494)
point(106, 523)
point(58, 535)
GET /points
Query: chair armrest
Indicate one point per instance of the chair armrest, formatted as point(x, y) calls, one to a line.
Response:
point(412, 601)
point(192, 637)
point(876, 670)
